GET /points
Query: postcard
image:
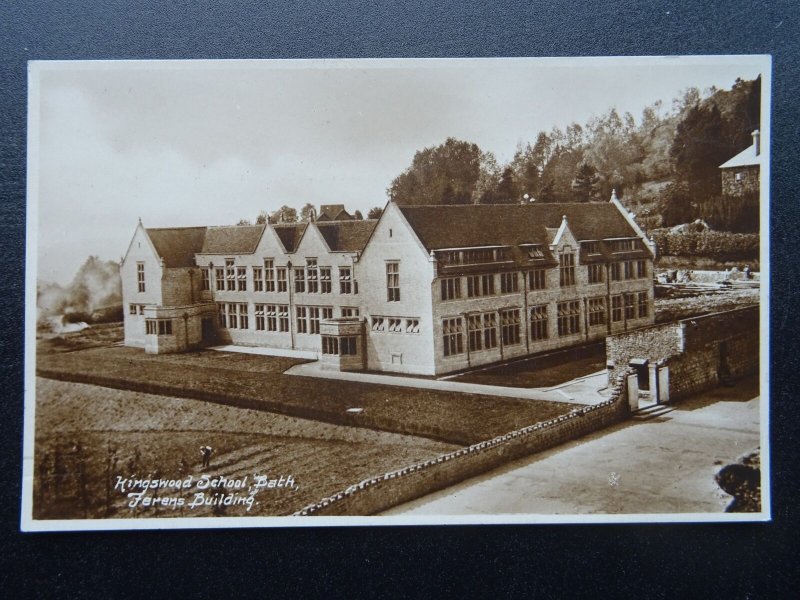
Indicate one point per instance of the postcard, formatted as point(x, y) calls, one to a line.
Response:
point(271, 293)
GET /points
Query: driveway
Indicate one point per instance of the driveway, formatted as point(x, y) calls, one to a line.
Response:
point(656, 464)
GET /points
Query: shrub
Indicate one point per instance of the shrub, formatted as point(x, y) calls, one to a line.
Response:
point(719, 245)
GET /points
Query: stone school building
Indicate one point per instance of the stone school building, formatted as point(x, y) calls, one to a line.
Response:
point(424, 289)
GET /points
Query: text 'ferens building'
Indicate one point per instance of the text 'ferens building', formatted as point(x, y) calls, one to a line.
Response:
point(424, 289)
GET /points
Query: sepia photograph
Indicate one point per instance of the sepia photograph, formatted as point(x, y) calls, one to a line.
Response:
point(268, 293)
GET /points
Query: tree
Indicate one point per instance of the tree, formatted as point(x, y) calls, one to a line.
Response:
point(375, 212)
point(307, 212)
point(285, 214)
point(507, 191)
point(358, 216)
point(244, 222)
point(444, 174)
point(699, 148)
point(262, 218)
point(675, 205)
point(586, 183)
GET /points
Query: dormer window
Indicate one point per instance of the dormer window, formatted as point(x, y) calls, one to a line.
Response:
point(592, 247)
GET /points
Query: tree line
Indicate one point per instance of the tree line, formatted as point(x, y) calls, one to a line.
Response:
point(665, 163)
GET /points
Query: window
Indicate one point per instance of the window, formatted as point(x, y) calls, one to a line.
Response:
point(566, 268)
point(258, 279)
point(509, 283)
point(341, 346)
point(219, 278)
point(222, 313)
point(392, 282)
point(233, 316)
point(616, 309)
point(330, 345)
point(623, 245)
point(452, 337)
point(158, 326)
point(325, 280)
point(283, 317)
point(597, 311)
point(643, 305)
point(230, 275)
point(451, 288)
point(345, 280)
point(282, 279)
point(535, 251)
point(140, 275)
point(244, 317)
point(136, 309)
point(412, 325)
point(630, 306)
point(299, 279)
point(395, 325)
point(312, 275)
point(205, 279)
point(272, 317)
point(302, 323)
point(592, 247)
point(539, 322)
point(569, 317)
point(482, 331)
point(241, 279)
point(347, 345)
point(616, 271)
point(259, 310)
point(475, 332)
point(378, 324)
point(349, 311)
point(641, 269)
point(628, 266)
point(536, 279)
point(480, 285)
point(509, 326)
point(327, 312)
point(313, 319)
point(269, 273)
point(596, 273)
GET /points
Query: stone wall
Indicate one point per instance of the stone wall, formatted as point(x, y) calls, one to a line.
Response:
point(700, 352)
point(746, 182)
point(380, 493)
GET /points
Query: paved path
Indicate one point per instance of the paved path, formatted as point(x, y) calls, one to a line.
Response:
point(285, 352)
point(584, 390)
point(662, 465)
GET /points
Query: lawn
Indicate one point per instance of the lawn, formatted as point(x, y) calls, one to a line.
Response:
point(87, 435)
point(542, 371)
point(257, 382)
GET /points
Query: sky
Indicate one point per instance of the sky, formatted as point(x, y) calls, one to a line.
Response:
point(183, 143)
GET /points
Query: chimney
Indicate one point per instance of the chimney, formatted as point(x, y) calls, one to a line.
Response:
point(757, 141)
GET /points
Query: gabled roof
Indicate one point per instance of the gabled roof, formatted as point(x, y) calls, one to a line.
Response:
point(177, 245)
point(333, 212)
point(289, 234)
point(238, 239)
point(346, 236)
point(745, 158)
point(467, 226)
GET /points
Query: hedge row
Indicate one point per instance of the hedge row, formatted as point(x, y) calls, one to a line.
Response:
point(719, 245)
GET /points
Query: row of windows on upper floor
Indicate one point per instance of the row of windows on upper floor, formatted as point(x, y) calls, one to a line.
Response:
point(451, 288)
point(496, 254)
point(310, 278)
point(482, 328)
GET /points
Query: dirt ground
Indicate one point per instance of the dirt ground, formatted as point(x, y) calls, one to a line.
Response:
point(87, 436)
